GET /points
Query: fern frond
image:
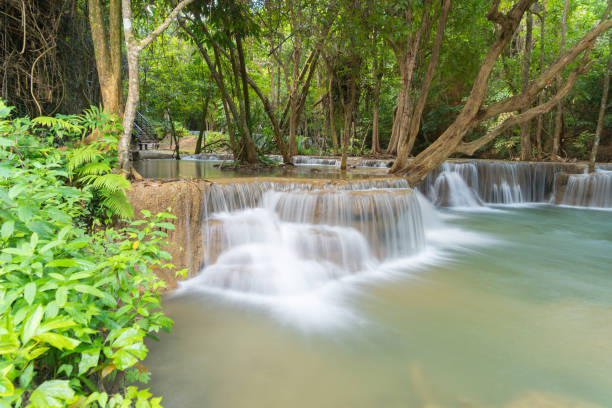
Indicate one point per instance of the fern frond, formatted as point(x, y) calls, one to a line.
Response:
point(110, 182)
point(83, 156)
point(95, 168)
point(117, 202)
point(48, 121)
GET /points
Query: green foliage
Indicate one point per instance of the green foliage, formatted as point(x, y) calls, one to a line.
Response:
point(75, 305)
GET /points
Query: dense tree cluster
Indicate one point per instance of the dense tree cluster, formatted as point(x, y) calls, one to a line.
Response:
point(433, 78)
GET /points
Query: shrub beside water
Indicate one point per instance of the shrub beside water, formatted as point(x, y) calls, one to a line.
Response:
point(77, 297)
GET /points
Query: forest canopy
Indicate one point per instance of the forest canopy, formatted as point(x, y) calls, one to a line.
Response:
point(433, 78)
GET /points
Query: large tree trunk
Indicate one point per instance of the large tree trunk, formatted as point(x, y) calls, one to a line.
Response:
point(375, 115)
point(408, 139)
point(293, 95)
point(473, 112)
point(198, 147)
point(332, 115)
point(407, 55)
point(559, 116)
point(602, 111)
point(525, 133)
point(134, 47)
point(540, 124)
point(108, 53)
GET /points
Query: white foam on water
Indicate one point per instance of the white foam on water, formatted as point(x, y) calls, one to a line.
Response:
point(299, 252)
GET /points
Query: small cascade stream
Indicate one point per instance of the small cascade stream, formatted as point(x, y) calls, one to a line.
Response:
point(589, 190)
point(318, 286)
point(477, 182)
point(278, 238)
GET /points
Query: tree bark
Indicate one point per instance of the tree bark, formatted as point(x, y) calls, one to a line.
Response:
point(198, 147)
point(407, 55)
point(559, 115)
point(602, 110)
point(332, 116)
point(408, 139)
point(107, 49)
point(540, 125)
point(375, 115)
point(134, 47)
point(474, 113)
point(438, 151)
point(525, 133)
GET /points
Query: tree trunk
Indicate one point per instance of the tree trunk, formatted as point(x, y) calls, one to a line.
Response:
point(408, 139)
point(540, 125)
point(108, 54)
point(293, 98)
point(173, 135)
point(559, 116)
point(332, 116)
point(474, 112)
point(525, 133)
point(134, 47)
point(123, 147)
point(445, 145)
point(602, 110)
point(198, 147)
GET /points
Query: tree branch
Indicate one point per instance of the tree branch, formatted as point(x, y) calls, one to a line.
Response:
point(470, 148)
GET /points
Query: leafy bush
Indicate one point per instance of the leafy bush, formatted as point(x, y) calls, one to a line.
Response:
point(75, 305)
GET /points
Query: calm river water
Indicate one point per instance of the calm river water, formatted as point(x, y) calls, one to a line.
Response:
point(506, 307)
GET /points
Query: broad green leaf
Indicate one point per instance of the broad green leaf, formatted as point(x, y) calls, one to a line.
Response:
point(6, 387)
point(53, 393)
point(127, 336)
point(61, 295)
point(17, 189)
point(31, 324)
point(65, 262)
point(29, 291)
point(58, 340)
point(89, 290)
point(26, 376)
point(89, 359)
point(7, 229)
point(9, 343)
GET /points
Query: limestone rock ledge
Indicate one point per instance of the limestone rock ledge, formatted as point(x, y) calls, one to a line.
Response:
point(183, 199)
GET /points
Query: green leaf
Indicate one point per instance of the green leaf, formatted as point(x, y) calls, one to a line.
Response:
point(89, 290)
point(7, 229)
point(89, 359)
point(65, 368)
point(31, 324)
point(56, 323)
point(26, 376)
point(58, 340)
point(53, 393)
point(124, 359)
point(29, 291)
point(127, 336)
point(9, 343)
point(61, 295)
point(17, 189)
point(65, 262)
point(6, 387)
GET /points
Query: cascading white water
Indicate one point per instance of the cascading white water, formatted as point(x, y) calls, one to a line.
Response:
point(589, 190)
point(493, 182)
point(315, 161)
point(209, 157)
point(454, 186)
point(279, 238)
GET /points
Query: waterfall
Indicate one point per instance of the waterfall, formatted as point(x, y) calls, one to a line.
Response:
point(589, 190)
point(315, 161)
point(471, 183)
point(276, 238)
point(210, 157)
